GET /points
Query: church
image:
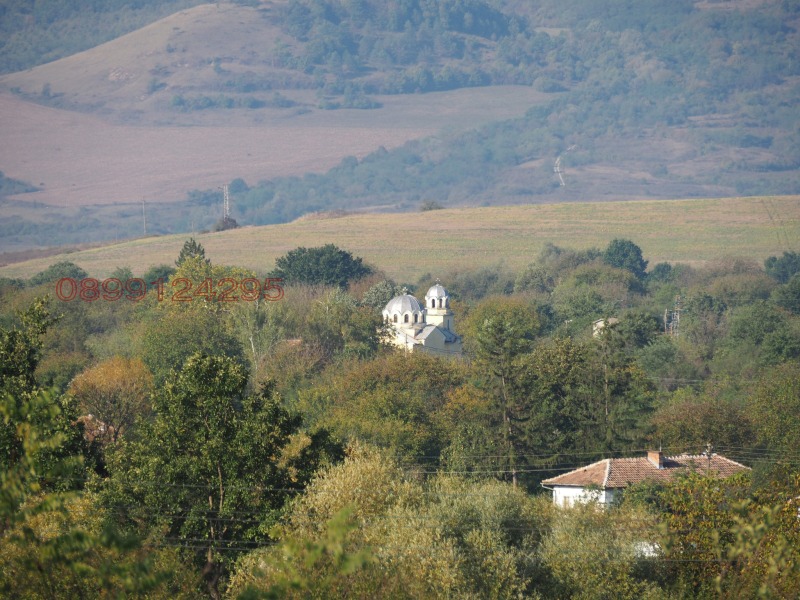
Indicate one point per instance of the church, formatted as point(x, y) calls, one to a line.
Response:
point(427, 328)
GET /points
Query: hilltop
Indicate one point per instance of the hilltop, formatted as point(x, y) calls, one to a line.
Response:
point(451, 240)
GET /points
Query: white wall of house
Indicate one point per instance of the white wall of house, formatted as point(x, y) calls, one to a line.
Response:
point(566, 496)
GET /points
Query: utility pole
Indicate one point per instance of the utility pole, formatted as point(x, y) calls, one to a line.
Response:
point(709, 453)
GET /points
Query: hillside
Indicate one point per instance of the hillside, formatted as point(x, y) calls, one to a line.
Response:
point(447, 241)
point(478, 103)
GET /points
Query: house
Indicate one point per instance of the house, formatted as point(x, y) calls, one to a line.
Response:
point(600, 324)
point(423, 328)
point(605, 479)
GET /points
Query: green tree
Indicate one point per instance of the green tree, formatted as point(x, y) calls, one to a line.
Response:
point(51, 542)
point(327, 265)
point(157, 272)
point(624, 254)
point(378, 296)
point(788, 295)
point(56, 271)
point(774, 407)
point(783, 268)
point(214, 468)
point(171, 337)
point(191, 249)
point(497, 332)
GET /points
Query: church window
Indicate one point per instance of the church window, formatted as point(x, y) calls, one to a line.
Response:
point(416, 318)
point(433, 302)
point(440, 303)
point(405, 318)
point(395, 318)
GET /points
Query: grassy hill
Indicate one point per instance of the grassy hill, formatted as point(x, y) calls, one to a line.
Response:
point(409, 245)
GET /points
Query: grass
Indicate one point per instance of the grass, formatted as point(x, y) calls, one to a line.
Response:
point(408, 245)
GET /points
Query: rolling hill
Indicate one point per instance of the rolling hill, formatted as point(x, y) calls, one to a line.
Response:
point(408, 245)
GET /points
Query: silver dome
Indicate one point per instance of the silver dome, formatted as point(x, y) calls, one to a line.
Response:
point(403, 304)
point(437, 291)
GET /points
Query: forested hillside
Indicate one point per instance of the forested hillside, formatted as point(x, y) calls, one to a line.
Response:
point(636, 100)
point(196, 430)
point(33, 32)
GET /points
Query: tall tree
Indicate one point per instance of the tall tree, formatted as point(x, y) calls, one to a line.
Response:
point(191, 249)
point(214, 467)
point(498, 331)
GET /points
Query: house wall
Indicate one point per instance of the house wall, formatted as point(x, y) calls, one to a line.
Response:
point(568, 496)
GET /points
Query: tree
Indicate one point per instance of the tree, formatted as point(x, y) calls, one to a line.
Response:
point(57, 271)
point(624, 254)
point(378, 296)
point(498, 331)
point(175, 335)
point(214, 467)
point(116, 392)
point(326, 265)
point(20, 352)
point(157, 272)
point(782, 269)
point(52, 544)
point(774, 407)
point(788, 295)
point(191, 249)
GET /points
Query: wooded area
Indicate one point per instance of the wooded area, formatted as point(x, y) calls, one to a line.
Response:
point(259, 449)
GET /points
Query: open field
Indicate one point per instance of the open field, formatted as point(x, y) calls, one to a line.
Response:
point(408, 245)
point(110, 134)
point(79, 159)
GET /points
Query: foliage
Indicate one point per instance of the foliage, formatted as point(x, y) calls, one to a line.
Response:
point(116, 392)
point(624, 254)
point(51, 542)
point(57, 271)
point(433, 540)
point(603, 554)
point(167, 341)
point(775, 406)
point(688, 421)
point(788, 296)
point(210, 455)
point(783, 268)
point(326, 265)
point(191, 249)
point(378, 296)
point(390, 402)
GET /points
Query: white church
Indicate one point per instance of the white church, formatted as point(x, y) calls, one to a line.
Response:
point(427, 328)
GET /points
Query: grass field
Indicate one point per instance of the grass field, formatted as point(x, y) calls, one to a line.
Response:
point(408, 245)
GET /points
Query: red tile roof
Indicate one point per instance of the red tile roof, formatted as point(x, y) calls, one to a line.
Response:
point(621, 472)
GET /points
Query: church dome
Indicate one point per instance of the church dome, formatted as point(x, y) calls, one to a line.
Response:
point(437, 291)
point(403, 304)
point(437, 297)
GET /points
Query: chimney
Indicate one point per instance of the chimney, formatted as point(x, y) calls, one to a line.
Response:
point(656, 457)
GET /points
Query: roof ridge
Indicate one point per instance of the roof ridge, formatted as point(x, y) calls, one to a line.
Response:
point(608, 472)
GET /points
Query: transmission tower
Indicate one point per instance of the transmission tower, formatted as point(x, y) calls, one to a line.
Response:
point(226, 203)
point(672, 318)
